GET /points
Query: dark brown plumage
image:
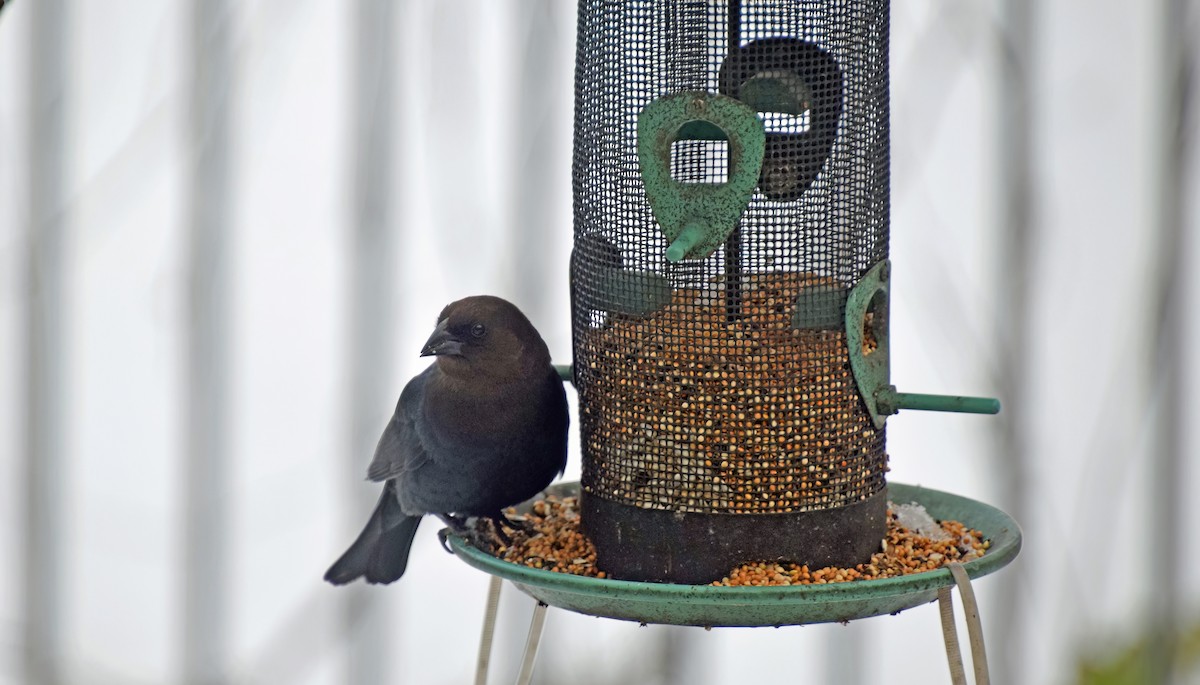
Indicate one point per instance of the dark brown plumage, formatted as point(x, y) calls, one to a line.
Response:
point(483, 428)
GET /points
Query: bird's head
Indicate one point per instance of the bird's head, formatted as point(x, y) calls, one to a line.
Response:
point(488, 336)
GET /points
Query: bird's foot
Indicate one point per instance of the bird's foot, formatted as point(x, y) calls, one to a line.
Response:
point(486, 536)
point(498, 532)
point(519, 524)
point(501, 524)
point(486, 533)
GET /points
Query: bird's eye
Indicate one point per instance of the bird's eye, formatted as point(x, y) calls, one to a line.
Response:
point(478, 330)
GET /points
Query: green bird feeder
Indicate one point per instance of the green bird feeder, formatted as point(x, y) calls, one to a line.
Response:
point(730, 285)
point(730, 289)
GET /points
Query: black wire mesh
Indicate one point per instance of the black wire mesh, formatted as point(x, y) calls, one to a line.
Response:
point(722, 385)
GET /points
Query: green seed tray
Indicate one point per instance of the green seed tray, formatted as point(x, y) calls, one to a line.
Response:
point(711, 606)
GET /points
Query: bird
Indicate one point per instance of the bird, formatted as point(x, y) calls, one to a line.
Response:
point(482, 428)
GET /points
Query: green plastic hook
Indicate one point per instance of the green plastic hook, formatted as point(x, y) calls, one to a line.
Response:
point(696, 218)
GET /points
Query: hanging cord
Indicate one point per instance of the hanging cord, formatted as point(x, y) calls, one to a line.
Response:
point(489, 630)
point(974, 629)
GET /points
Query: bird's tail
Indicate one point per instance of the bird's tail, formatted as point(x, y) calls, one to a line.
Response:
point(380, 554)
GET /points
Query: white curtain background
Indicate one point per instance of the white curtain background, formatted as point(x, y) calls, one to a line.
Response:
point(477, 200)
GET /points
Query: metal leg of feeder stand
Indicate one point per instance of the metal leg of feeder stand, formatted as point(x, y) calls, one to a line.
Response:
point(489, 630)
point(532, 643)
point(974, 626)
point(950, 635)
point(974, 629)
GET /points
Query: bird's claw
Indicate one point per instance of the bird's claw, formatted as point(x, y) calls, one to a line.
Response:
point(520, 524)
point(444, 538)
point(499, 534)
point(454, 526)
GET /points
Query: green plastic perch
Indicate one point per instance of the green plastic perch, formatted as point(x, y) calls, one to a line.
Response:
point(891, 401)
point(566, 372)
point(691, 236)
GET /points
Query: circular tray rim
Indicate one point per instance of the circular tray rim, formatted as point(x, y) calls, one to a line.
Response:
point(712, 605)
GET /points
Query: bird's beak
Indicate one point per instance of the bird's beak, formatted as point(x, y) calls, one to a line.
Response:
point(441, 343)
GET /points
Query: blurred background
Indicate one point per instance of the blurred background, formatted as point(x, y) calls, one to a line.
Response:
point(226, 228)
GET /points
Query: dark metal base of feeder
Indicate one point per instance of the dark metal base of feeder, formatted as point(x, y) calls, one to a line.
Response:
point(633, 543)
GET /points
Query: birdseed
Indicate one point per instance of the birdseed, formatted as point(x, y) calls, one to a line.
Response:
point(554, 542)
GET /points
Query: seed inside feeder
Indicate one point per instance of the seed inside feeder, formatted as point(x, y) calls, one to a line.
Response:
point(690, 410)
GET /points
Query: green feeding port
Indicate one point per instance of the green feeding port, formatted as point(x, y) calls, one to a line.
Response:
point(697, 218)
point(868, 336)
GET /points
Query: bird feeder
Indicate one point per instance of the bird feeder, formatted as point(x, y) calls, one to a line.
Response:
point(730, 284)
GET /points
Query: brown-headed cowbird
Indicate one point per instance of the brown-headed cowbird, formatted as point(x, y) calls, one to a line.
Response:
point(483, 428)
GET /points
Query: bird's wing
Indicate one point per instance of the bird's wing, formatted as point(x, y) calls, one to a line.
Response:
point(399, 449)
